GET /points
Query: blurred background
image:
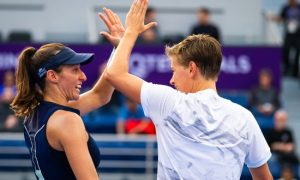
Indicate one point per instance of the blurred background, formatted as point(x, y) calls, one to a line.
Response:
point(260, 71)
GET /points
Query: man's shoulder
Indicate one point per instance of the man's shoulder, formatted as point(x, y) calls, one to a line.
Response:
point(238, 109)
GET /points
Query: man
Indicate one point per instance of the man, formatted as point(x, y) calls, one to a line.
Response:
point(200, 135)
point(281, 140)
point(290, 17)
point(204, 26)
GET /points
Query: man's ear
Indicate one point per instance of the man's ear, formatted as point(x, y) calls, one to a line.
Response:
point(52, 76)
point(193, 69)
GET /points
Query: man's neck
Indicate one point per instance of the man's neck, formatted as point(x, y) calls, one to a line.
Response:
point(203, 85)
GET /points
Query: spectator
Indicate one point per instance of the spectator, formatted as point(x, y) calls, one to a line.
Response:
point(9, 121)
point(290, 16)
point(264, 99)
point(151, 36)
point(8, 89)
point(281, 141)
point(204, 26)
point(287, 174)
point(150, 16)
point(133, 121)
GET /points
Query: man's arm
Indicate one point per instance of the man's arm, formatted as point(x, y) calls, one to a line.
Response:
point(258, 151)
point(261, 173)
point(276, 18)
point(117, 73)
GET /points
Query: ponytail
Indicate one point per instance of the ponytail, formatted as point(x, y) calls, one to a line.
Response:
point(28, 96)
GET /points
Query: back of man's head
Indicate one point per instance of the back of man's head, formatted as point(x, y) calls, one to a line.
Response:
point(202, 49)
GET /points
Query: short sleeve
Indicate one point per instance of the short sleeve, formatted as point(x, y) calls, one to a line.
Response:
point(259, 151)
point(158, 100)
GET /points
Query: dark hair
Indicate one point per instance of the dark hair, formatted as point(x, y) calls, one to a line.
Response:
point(29, 88)
point(150, 10)
point(266, 72)
point(204, 10)
point(202, 49)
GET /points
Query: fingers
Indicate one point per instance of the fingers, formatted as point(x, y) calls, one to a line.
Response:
point(117, 18)
point(150, 25)
point(138, 8)
point(106, 35)
point(106, 21)
point(110, 18)
point(143, 7)
point(110, 15)
point(136, 16)
point(133, 6)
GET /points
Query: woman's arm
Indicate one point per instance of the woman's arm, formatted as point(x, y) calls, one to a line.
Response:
point(66, 132)
point(102, 91)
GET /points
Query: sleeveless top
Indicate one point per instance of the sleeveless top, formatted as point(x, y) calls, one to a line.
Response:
point(47, 162)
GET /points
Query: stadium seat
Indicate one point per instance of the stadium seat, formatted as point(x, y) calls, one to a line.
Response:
point(19, 37)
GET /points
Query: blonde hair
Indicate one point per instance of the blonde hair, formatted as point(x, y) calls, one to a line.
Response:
point(202, 49)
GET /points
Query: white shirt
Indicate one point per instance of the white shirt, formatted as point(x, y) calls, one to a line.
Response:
point(202, 135)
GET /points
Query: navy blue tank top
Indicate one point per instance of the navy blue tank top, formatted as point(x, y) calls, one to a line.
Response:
point(47, 162)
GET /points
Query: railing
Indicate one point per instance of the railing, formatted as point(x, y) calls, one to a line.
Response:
point(122, 157)
point(119, 154)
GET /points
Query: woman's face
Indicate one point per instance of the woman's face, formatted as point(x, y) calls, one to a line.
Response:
point(70, 81)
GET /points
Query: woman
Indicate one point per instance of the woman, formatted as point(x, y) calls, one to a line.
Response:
point(48, 84)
